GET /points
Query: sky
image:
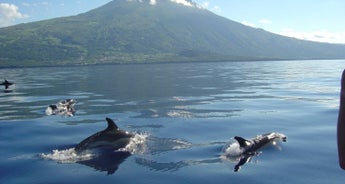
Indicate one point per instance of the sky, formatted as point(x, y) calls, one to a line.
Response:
point(316, 20)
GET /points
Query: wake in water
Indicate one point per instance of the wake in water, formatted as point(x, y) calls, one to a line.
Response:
point(109, 161)
point(232, 149)
point(239, 151)
point(72, 156)
point(66, 156)
point(233, 153)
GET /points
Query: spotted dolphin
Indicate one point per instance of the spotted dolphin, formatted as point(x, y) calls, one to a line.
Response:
point(246, 149)
point(63, 107)
point(252, 145)
point(111, 138)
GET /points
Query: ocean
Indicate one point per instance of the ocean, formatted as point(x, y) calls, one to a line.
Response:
point(183, 116)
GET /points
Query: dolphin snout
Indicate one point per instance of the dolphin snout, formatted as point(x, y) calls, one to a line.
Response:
point(284, 139)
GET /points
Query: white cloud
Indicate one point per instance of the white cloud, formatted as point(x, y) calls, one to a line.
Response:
point(265, 21)
point(9, 13)
point(153, 2)
point(248, 24)
point(318, 35)
point(262, 21)
point(216, 9)
point(43, 3)
point(206, 5)
point(183, 2)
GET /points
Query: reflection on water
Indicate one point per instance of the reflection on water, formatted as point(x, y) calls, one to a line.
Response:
point(170, 90)
point(235, 161)
point(108, 162)
point(188, 110)
point(172, 166)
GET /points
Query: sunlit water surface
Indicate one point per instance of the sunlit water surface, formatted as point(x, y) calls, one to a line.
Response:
point(182, 115)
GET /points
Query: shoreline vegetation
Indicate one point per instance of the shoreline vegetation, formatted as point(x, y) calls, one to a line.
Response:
point(163, 62)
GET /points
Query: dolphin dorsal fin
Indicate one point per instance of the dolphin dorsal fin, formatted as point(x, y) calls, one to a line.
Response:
point(243, 142)
point(111, 124)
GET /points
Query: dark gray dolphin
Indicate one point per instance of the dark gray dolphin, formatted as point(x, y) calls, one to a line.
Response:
point(111, 138)
point(252, 145)
point(6, 84)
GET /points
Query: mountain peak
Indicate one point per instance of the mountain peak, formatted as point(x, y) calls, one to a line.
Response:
point(127, 31)
point(154, 2)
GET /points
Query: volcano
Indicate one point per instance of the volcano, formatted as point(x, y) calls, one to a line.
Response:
point(141, 31)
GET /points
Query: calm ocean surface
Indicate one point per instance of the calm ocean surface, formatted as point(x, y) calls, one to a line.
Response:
point(183, 114)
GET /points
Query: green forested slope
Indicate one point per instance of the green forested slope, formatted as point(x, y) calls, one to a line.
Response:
point(125, 32)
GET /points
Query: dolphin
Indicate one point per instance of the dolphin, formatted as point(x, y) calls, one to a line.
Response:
point(252, 145)
point(6, 84)
point(64, 107)
point(248, 148)
point(111, 138)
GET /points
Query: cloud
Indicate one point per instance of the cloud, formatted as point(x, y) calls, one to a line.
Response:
point(183, 2)
point(216, 9)
point(9, 13)
point(206, 5)
point(248, 24)
point(317, 35)
point(43, 3)
point(265, 21)
point(153, 2)
point(262, 21)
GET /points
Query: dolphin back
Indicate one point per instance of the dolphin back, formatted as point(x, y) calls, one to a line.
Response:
point(252, 145)
point(111, 137)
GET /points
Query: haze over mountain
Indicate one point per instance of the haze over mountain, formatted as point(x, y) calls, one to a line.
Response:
point(127, 31)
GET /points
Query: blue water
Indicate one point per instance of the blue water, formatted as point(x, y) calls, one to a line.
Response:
point(185, 114)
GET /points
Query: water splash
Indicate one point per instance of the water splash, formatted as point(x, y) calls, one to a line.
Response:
point(137, 144)
point(66, 156)
point(232, 149)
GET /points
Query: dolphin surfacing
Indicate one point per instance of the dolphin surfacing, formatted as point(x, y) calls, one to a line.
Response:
point(6, 84)
point(63, 107)
point(252, 145)
point(246, 149)
point(111, 138)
